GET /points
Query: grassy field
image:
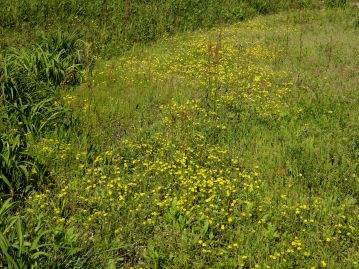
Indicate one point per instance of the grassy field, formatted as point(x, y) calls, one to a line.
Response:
point(230, 147)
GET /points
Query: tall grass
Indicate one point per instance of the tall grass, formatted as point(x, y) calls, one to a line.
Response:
point(25, 246)
point(114, 26)
point(29, 82)
point(16, 249)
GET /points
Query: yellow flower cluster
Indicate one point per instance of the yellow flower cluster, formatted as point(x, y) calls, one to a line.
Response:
point(225, 60)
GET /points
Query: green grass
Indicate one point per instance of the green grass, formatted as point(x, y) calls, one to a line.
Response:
point(235, 147)
point(112, 27)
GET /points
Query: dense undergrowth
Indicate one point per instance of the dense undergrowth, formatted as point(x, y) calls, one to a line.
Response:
point(112, 27)
point(30, 81)
point(235, 147)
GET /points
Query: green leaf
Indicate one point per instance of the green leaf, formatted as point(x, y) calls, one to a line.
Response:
point(4, 246)
point(111, 264)
point(7, 182)
point(38, 254)
point(20, 235)
point(35, 243)
point(5, 207)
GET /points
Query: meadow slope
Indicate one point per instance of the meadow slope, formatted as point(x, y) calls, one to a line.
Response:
point(235, 147)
